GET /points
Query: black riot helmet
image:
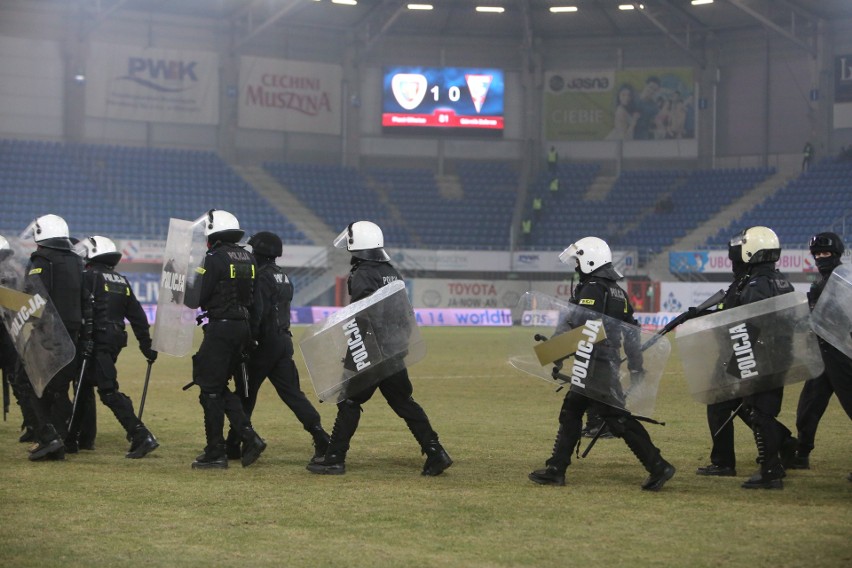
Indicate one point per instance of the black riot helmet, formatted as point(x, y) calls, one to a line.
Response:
point(826, 242)
point(266, 244)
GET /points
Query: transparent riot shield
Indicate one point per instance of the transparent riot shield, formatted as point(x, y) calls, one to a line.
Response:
point(749, 349)
point(28, 314)
point(360, 345)
point(174, 327)
point(569, 345)
point(832, 315)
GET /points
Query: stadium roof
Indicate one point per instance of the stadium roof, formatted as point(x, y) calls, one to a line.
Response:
point(526, 21)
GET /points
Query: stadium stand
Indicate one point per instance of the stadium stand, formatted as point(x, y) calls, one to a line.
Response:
point(807, 204)
point(130, 192)
point(126, 192)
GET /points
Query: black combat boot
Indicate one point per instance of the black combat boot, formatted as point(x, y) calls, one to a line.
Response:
point(716, 470)
point(253, 446)
point(233, 445)
point(142, 443)
point(330, 464)
point(660, 473)
point(550, 475)
point(802, 460)
point(787, 453)
point(212, 458)
point(334, 462)
point(28, 435)
point(321, 440)
point(770, 479)
point(437, 459)
point(49, 445)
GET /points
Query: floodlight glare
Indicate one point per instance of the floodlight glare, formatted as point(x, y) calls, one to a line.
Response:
point(492, 9)
point(419, 6)
point(559, 9)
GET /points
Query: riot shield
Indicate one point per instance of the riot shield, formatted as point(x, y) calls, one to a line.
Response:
point(360, 345)
point(749, 349)
point(832, 315)
point(174, 327)
point(28, 314)
point(590, 351)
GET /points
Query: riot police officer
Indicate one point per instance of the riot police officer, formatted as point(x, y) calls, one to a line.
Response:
point(827, 249)
point(599, 291)
point(273, 355)
point(225, 294)
point(371, 269)
point(9, 361)
point(109, 301)
point(753, 254)
point(60, 270)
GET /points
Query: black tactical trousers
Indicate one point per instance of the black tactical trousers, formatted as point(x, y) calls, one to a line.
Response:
point(722, 453)
point(101, 373)
point(619, 422)
point(284, 376)
point(397, 390)
point(816, 394)
point(768, 432)
point(217, 360)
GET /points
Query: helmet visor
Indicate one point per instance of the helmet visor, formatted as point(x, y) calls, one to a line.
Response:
point(342, 240)
point(567, 255)
point(738, 240)
point(29, 232)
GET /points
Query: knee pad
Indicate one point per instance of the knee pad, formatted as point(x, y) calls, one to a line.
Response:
point(618, 425)
point(107, 396)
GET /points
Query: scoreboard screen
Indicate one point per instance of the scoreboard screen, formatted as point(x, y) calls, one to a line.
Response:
point(454, 99)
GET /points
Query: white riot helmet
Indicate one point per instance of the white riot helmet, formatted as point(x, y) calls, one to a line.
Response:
point(222, 226)
point(49, 231)
point(99, 249)
point(5, 252)
point(364, 240)
point(755, 245)
point(590, 253)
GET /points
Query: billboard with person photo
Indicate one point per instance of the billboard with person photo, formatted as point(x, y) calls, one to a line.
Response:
point(628, 104)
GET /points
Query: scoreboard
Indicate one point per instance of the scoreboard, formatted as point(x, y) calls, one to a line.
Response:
point(451, 99)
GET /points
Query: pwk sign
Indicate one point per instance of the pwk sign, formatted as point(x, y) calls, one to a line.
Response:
point(152, 73)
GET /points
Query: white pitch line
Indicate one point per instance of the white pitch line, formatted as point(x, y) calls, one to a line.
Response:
point(454, 377)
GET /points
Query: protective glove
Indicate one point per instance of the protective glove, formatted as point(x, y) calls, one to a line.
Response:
point(87, 349)
point(557, 369)
point(149, 353)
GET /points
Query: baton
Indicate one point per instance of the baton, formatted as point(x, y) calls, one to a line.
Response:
point(600, 431)
point(145, 389)
point(5, 395)
point(77, 390)
point(244, 372)
point(731, 417)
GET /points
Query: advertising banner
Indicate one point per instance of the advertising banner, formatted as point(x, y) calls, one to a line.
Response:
point(627, 104)
point(716, 261)
point(151, 84)
point(295, 96)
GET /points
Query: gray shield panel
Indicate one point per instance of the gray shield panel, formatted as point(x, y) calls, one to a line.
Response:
point(360, 345)
point(591, 347)
point(749, 349)
point(174, 328)
point(832, 315)
point(28, 314)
